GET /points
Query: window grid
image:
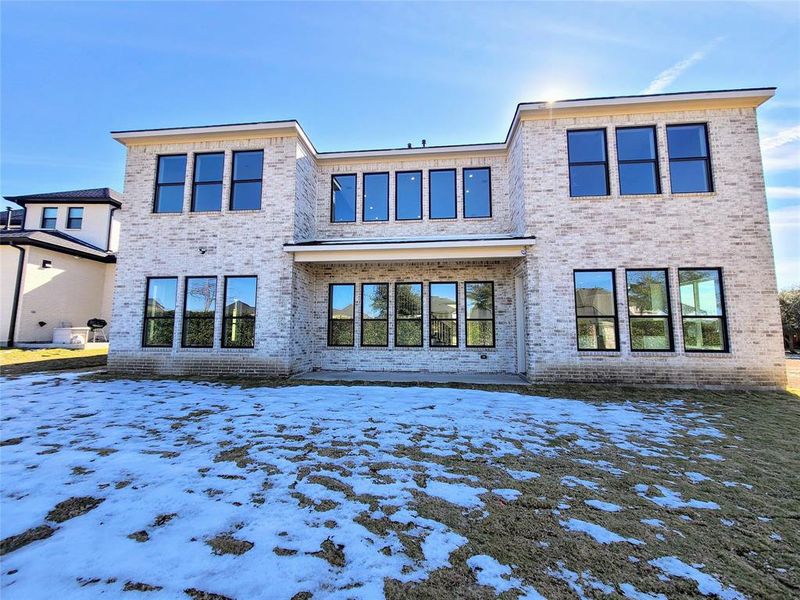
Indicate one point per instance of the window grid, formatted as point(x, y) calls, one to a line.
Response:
point(398, 318)
point(468, 319)
point(160, 186)
point(598, 316)
point(235, 319)
point(365, 319)
point(706, 159)
point(74, 217)
point(235, 181)
point(603, 163)
point(148, 319)
point(196, 184)
point(666, 318)
point(187, 319)
point(642, 161)
point(437, 325)
point(721, 316)
point(49, 216)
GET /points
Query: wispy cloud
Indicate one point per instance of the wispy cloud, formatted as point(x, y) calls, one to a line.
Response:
point(783, 137)
point(783, 192)
point(664, 79)
point(781, 151)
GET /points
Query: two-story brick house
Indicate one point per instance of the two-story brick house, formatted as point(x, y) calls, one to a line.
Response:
point(613, 239)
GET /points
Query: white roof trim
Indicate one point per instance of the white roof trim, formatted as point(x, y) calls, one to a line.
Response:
point(477, 243)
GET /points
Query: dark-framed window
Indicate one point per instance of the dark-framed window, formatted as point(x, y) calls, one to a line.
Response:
point(170, 180)
point(479, 313)
point(408, 195)
point(408, 315)
point(74, 217)
point(246, 179)
point(199, 309)
point(159, 312)
point(207, 186)
point(637, 160)
point(341, 314)
point(596, 310)
point(442, 193)
point(588, 162)
point(374, 314)
point(689, 159)
point(650, 321)
point(705, 327)
point(443, 314)
point(477, 194)
point(375, 203)
point(49, 217)
point(239, 318)
point(343, 198)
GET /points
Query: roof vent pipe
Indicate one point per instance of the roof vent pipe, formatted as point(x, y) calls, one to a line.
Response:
point(424, 143)
point(8, 218)
point(409, 145)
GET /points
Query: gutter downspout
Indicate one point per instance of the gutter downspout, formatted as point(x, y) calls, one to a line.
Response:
point(110, 223)
point(12, 326)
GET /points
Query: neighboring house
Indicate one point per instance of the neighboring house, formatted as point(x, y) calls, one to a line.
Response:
point(612, 239)
point(58, 265)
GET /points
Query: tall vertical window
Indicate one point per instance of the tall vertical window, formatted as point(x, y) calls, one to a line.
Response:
point(375, 188)
point(408, 195)
point(408, 314)
point(443, 314)
point(75, 217)
point(375, 314)
point(588, 163)
point(207, 186)
point(341, 314)
point(689, 159)
point(49, 216)
point(596, 310)
point(442, 193)
point(343, 198)
point(199, 307)
point(638, 161)
point(479, 313)
point(170, 180)
point(703, 310)
point(648, 310)
point(248, 168)
point(239, 318)
point(159, 312)
point(477, 193)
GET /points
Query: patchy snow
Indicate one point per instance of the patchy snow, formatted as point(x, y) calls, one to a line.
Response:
point(673, 499)
point(597, 532)
point(491, 573)
point(706, 431)
point(653, 523)
point(695, 477)
point(604, 506)
point(712, 456)
point(507, 494)
point(630, 591)
point(522, 475)
point(577, 582)
point(729, 484)
point(706, 584)
point(572, 482)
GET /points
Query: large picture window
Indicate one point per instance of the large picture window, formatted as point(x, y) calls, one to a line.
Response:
point(477, 193)
point(75, 217)
point(442, 193)
point(689, 159)
point(443, 314)
point(341, 314)
point(648, 310)
point(408, 314)
point(239, 318)
point(199, 308)
point(170, 180)
point(408, 195)
point(637, 159)
point(588, 163)
point(703, 310)
point(343, 198)
point(479, 307)
point(207, 187)
point(375, 204)
point(596, 310)
point(375, 314)
point(246, 179)
point(159, 312)
point(49, 217)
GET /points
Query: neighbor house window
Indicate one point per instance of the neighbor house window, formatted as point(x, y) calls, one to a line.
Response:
point(49, 215)
point(689, 164)
point(375, 314)
point(648, 309)
point(443, 312)
point(199, 308)
point(480, 313)
point(248, 168)
point(74, 217)
point(341, 312)
point(703, 310)
point(588, 163)
point(596, 310)
point(477, 193)
point(159, 312)
point(170, 180)
point(442, 193)
point(638, 161)
point(239, 318)
point(408, 314)
point(343, 198)
point(408, 195)
point(207, 187)
point(375, 205)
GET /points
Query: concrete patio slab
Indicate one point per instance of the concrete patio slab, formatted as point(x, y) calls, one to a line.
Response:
point(412, 377)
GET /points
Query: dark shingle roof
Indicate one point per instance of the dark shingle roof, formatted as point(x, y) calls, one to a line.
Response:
point(16, 217)
point(55, 240)
point(96, 195)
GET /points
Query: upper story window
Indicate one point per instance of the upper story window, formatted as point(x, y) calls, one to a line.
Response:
point(689, 164)
point(239, 318)
point(248, 169)
point(341, 314)
point(477, 193)
point(207, 187)
point(375, 314)
point(75, 217)
point(159, 312)
point(442, 193)
point(588, 163)
point(703, 310)
point(49, 216)
point(596, 310)
point(638, 161)
point(443, 314)
point(199, 306)
point(408, 195)
point(170, 180)
point(375, 205)
point(648, 309)
point(343, 198)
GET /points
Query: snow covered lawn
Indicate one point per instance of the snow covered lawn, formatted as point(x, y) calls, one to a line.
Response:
point(165, 489)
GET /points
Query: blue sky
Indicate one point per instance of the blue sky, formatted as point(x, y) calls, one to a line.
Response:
point(373, 75)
